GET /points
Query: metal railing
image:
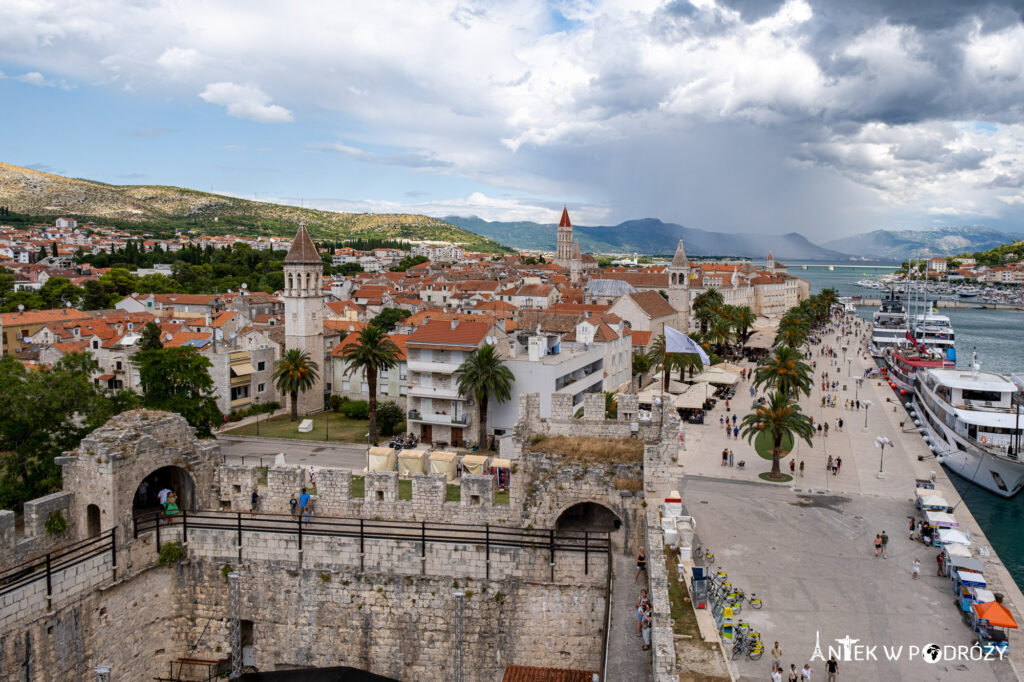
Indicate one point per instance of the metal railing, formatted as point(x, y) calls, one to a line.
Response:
point(240, 523)
point(45, 567)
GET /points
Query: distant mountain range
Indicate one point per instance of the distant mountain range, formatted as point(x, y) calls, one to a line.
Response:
point(929, 242)
point(650, 236)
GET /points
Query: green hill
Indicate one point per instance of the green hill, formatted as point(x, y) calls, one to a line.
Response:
point(161, 210)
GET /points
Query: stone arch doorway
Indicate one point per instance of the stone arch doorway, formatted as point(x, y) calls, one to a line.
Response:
point(170, 478)
point(589, 516)
point(93, 525)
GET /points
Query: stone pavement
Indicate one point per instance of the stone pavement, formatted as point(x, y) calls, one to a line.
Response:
point(252, 450)
point(816, 533)
point(626, 660)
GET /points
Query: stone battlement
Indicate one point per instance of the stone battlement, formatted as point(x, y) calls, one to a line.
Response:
point(593, 423)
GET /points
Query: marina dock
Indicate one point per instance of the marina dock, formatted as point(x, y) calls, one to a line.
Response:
point(945, 303)
point(806, 547)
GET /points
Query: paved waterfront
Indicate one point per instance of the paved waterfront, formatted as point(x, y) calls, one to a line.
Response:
point(805, 547)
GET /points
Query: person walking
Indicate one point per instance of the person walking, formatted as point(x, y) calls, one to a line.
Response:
point(641, 565)
point(801, 468)
point(731, 458)
point(794, 675)
point(917, 568)
point(885, 545)
point(725, 457)
point(254, 502)
point(878, 545)
point(839, 463)
point(832, 669)
point(304, 505)
point(776, 654)
point(792, 467)
point(293, 505)
point(805, 672)
point(828, 465)
point(736, 432)
point(776, 673)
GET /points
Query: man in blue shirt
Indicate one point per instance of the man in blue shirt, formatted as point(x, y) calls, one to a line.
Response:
point(304, 505)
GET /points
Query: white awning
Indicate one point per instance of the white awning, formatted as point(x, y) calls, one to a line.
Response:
point(713, 376)
point(761, 340)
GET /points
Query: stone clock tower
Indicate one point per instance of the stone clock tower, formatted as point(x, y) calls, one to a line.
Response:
point(304, 312)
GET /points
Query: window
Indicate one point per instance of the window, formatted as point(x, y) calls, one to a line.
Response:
point(260, 388)
point(261, 366)
point(345, 386)
point(239, 392)
point(117, 365)
point(95, 344)
point(364, 387)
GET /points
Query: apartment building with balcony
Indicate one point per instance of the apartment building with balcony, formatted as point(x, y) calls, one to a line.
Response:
point(392, 383)
point(435, 410)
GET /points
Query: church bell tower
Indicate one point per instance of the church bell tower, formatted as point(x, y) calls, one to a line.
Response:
point(303, 311)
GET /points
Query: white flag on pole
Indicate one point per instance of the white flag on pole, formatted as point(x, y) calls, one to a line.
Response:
point(678, 342)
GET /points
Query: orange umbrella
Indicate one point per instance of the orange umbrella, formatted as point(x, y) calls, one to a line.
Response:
point(996, 614)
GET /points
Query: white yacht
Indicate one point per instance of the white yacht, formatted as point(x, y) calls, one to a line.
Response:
point(974, 422)
point(934, 331)
point(888, 325)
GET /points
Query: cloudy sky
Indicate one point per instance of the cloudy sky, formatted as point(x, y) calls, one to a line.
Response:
point(828, 117)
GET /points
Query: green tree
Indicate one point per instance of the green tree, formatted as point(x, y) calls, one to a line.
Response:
point(29, 299)
point(294, 373)
point(706, 307)
point(660, 361)
point(784, 371)
point(53, 249)
point(178, 380)
point(793, 330)
point(387, 318)
point(373, 352)
point(389, 418)
point(119, 280)
point(44, 413)
point(720, 335)
point(781, 418)
point(96, 297)
point(58, 292)
point(743, 321)
point(151, 337)
point(408, 262)
point(42, 254)
point(480, 376)
point(641, 363)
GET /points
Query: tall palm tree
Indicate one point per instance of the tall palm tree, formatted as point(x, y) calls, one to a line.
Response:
point(371, 353)
point(707, 306)
point(295, 373)
point(743, 321)
point(785, 371)
point(480, 376)
point(661, 361)
point(793, 330)
point(781, 418)
point(720, 335)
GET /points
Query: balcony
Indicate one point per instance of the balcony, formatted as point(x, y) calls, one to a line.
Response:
point(420, 391)
point(435, 418)
point(431, 366)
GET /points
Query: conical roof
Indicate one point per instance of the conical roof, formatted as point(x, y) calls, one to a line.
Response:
point(680, 260)
point(302, 249)
point(564, 222)
point(576, 249)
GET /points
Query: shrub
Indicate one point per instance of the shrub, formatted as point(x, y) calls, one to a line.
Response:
point(335, 402)
point(356, 409)
point(224, 570)
point(171, 552)
point(56, 524)
point(389, 418)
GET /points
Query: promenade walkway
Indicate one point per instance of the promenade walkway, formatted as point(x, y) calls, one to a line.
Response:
point(805, 547)
point(626, 660)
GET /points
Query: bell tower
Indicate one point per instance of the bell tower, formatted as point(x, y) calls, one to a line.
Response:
point(679, 285)
point(303, 311)
point(563, 251)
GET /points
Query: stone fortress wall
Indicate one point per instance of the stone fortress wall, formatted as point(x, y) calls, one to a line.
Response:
point(386, 611)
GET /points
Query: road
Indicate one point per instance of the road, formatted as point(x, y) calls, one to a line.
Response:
point(236, 449)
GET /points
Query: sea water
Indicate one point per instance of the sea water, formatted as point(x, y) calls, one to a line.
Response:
point(996, 336)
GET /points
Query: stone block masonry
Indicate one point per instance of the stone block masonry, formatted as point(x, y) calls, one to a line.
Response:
point(399, 626)
point(235, 483)
point(562, 421)
point(35, 540)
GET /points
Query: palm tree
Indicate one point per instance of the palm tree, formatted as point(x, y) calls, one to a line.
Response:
point(781, 418)
point(706, 307)
point(482, 375)
point(785, 371)
point(720, 335)
point(373, 352)
point(793, 330)
point(294, 373)
point(743, 321)
point(661, 361)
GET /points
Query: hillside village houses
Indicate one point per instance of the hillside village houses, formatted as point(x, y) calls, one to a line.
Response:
point(565, 326)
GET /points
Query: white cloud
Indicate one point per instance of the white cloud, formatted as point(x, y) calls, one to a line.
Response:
point(35, 78)
point(180, 61)
point(246, 101)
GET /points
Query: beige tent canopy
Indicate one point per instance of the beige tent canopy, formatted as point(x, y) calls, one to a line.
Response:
point(762, 339)
point(382, 459)
point(501, 463)
point(412, 462)
point(443, 463)
point(694, 398)
point(727, 367)
point(474, 464)
point(715, 376)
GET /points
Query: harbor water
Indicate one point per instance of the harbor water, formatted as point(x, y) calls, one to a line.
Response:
point(996, 336)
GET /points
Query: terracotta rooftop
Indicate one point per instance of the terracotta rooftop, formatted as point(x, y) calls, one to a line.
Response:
point(526, 673)
point(353, 340)
point(441, 332)
point(652, 303)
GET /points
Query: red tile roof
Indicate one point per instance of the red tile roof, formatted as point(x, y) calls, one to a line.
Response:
point(353, 340)
point(441, 332)
point(526, 673)
point(652, 303)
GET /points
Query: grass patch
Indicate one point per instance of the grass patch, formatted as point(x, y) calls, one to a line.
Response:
point(589, 449)
point(767, 476)
point(633, 485)
point(331, 426)
point(684, 620)
point(453, 493)
point(404, 489)
point(358, 486)
point(501, 497)
point(763, 445)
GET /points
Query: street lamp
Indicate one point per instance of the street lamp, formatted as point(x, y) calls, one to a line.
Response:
point(256, 400)
point(882, 442)
point(849, 365)
point(866, 404)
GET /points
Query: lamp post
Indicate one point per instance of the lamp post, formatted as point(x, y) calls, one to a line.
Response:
point(882, 442)
point(849, 365)
point(866, 404)
point(256, 401)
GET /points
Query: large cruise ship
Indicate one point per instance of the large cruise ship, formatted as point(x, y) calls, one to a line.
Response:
point(902, 365)
point(888, 325)
point(974, 422)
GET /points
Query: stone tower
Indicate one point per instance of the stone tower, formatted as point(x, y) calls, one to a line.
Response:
point(576, 264)
point(303, 312)
point(769, 264)
point(679, 285)
point(563, 252)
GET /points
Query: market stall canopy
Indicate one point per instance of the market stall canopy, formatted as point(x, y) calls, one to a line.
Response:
point(443, 463)
point(473, 464)
point(761, 340)
point(647, 397)
point(971, 578)
point(382, 459)
point(995, 614)
point(714, 376)
point(500, 463)
point(932, 502)
point(965, 563)
point(727, 367)
point(412, 462)
point(941, 519)
point(677, 387)
point(956, 549)
point(981, 595)
point(694, 397)
point(947, 535)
